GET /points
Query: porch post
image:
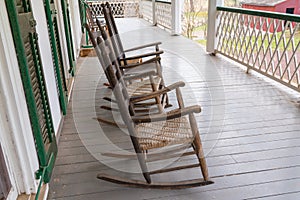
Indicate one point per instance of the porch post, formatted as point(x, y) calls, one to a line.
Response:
point(176, 17)
point(212, 24)
point(154, 17)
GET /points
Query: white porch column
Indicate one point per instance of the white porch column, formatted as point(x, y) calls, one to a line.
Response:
point(154, 17)
point(212, 24)
point(176, 17)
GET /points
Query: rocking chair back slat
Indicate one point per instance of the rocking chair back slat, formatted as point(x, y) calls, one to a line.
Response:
point(113, 30)
point(136, 66)
point(153, 57)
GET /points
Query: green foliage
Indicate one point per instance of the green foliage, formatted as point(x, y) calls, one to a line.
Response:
point(202, 42)
point(200, 14)
point(254, 43)
point(194, 16)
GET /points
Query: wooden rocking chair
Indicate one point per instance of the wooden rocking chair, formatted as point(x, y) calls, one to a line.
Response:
point(167, 131)
point(152, 64)
point(137, 84)
point(148, 61)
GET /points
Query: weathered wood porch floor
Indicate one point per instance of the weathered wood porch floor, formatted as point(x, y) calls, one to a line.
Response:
point(250, 128)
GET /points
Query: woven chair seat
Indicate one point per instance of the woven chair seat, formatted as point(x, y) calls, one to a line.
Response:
point(143, 87)
point(164, 133)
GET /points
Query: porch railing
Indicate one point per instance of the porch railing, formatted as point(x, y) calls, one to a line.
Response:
point(120, 8)
point(266, 42)
point(159, 12)
point(163, 12)
point(162, 15)
point(146, 10)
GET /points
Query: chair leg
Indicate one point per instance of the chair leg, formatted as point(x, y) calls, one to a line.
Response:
point(142, 161)
point(201, 158)
point(198, 147)
point(165, 101)
point(141, 158)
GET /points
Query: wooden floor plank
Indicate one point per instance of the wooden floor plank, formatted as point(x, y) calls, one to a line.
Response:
point(285, 196)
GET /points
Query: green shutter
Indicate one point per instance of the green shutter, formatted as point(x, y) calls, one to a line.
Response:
point(68, 35)
point(82, 13)
point(26, 44)
point(82, 9)
point(56, 53)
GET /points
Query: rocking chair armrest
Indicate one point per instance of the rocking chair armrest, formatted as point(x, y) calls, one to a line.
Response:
point(143, 46)
point(128, 66)
point(166, 116)
point(152, 95)
point(156, 53)
point(139, 76)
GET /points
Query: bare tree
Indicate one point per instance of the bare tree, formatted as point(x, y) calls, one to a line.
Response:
point(192, 16)
point(192, 7)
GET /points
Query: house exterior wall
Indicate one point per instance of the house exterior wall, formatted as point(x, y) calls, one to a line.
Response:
point(16, 137)
point(46, 56)
point(75, 24)
point(61, 30)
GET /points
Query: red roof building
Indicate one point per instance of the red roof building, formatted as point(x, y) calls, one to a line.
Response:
point(282, 6)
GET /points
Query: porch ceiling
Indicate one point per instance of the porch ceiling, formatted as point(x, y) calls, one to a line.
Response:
point(249, 127)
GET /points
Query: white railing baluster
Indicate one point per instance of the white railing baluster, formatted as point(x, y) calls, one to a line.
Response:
point(286, 45)
point(237, 38)
point(233, 36)
point(293, 46)
point(163, 12)
point(146, 10)
point(254, 44)
point(242, 39)
point(228, 33)
point(293, 57)
point(220, 30)
point(262, 37)
point(277, 51)
point(262, 47)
